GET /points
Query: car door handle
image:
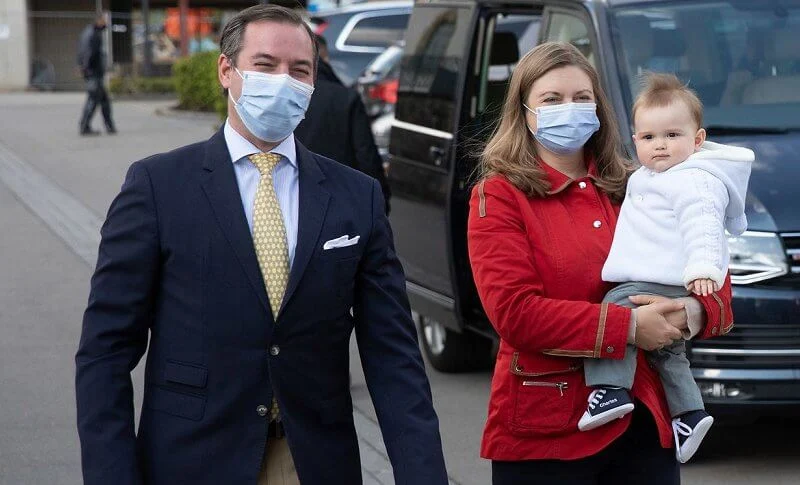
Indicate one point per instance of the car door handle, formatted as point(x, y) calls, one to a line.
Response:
point(436, 154)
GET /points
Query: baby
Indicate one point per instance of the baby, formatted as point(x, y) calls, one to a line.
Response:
point(670, 240)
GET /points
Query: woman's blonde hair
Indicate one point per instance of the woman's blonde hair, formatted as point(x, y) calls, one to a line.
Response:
point(511, 151)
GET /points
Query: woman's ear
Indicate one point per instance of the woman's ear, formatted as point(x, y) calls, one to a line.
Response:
point(529, 117)
point(699, 138)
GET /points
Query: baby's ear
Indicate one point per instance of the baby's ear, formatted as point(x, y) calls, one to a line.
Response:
point(699, 138)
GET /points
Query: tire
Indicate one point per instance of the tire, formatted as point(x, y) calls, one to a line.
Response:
point(452, 352)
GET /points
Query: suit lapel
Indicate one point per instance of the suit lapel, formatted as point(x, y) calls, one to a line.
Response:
point(313, 202)
point(222, 190)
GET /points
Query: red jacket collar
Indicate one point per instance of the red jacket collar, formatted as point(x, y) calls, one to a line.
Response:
point(558, 181)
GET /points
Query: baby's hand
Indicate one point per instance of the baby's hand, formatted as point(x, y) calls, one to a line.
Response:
point(702, 286)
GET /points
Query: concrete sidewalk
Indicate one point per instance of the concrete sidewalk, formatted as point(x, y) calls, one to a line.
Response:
point(42, 129)
point(55, 188)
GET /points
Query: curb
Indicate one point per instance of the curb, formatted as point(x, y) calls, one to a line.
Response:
point(171, 112)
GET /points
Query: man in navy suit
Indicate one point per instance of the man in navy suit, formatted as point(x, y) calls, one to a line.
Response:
point(247, 371)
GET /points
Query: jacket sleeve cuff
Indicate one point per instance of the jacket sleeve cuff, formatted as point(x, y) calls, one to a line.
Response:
point(632, 328)
point(612, 333)
point(695, 317)
point(718, 311)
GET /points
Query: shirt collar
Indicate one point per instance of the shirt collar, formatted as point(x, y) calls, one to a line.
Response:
point(239, 147)
point(558, 181)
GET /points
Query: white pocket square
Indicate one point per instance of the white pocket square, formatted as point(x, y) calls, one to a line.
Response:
point(340, 242)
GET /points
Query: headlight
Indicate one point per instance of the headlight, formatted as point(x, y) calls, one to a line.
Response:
point(756, 256)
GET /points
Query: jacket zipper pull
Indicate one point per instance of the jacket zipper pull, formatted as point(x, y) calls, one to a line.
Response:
point(561, 386)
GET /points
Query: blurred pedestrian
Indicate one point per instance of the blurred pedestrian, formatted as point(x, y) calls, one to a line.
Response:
point(91, 62)
point(337, 126)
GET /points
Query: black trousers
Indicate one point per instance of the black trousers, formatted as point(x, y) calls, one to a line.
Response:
point(635, 458)
point(96, 94)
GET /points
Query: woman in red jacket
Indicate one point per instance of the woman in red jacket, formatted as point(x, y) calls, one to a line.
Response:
point(541, 222)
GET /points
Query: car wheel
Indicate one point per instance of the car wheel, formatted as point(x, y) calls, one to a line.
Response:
point(450, 351)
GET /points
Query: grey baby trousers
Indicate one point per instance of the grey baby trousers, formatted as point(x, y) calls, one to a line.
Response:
point(671, 363)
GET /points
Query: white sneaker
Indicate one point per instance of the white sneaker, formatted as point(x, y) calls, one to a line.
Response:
point(689, 430)
point(605, 405)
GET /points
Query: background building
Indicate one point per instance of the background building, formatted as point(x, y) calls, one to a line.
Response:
point(38, 38)
point(14, 44)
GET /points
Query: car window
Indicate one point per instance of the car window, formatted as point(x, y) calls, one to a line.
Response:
point(377, 31)
point(436, 43)
point(509, 37)
point(330, 26)
point(741, 57)
point(567, 27)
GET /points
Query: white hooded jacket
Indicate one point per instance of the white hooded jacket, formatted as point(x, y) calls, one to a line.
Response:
point(671, 229)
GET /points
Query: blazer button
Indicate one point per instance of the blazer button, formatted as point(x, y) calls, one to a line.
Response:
point(597, 224)
point(262, 410)
point(610, 349)
point(582, 185)
point(274, 350)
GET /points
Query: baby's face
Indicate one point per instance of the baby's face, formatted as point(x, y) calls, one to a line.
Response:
point(665, 136)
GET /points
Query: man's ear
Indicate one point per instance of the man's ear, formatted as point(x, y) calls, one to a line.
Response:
point(224, 69)
point(699, 138)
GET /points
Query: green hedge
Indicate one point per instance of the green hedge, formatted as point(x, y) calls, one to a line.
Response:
point(197, 84)
point(141, 85)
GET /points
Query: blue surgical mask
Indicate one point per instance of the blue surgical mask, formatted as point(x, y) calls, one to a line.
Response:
point(565, 128)
point(271, 105)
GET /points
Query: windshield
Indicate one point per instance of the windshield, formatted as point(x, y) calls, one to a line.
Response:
point(741, 57)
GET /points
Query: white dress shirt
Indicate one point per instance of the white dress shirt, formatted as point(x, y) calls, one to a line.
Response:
point(285, 179)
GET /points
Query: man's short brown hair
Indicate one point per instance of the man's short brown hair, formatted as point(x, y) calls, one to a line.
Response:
point(230, 42)
point(660, 89)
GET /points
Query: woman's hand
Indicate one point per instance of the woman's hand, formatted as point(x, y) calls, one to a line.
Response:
point(653, 331)
point(677, 318)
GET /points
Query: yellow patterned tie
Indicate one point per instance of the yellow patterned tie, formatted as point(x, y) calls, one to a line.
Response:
point(269, 237)
point(269, 233)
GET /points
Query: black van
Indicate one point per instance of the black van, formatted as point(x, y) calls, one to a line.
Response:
point(743, 59)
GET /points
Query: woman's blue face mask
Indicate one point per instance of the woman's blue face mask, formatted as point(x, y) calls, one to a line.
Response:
point(271, 105)
point(564, 128)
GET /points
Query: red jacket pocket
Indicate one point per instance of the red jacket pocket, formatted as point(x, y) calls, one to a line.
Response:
point(544, 392)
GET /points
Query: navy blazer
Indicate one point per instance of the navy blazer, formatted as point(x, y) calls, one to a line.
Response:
point(177, 261)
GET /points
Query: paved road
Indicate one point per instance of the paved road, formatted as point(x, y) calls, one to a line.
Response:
point(54, 190)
